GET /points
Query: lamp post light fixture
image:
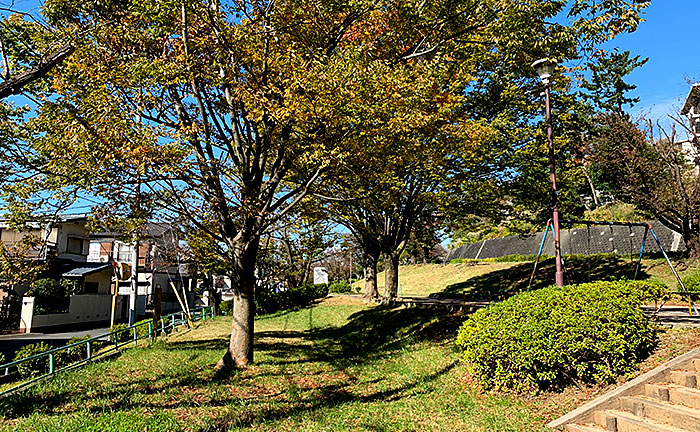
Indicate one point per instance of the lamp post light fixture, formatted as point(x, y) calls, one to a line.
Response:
point(545, 69)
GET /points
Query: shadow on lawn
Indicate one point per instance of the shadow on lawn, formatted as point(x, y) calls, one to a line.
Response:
point(370, 336)
point(498, 285)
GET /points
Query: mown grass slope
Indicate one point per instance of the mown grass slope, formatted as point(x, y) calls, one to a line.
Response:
point(339, 365)
point(491, 280)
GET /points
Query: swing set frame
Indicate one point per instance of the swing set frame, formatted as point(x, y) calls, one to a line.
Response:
point(692, 309)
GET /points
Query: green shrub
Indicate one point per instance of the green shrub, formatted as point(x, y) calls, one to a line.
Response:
point(226, 307)
point(51, 295)
point(121, 334)
point(36, 367)
point(76, 353)
point(2, 359)
point(692, 283)
point(142, 330)
point(340, 287)
point(269, 302)
point(554, 336)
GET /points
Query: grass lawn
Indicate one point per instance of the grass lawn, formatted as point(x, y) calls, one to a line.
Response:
point(340, 365)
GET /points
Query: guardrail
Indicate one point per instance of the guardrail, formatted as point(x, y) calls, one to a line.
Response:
point(107, 344)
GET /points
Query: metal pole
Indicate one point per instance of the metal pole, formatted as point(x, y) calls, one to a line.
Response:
point(539, 254)
point(641, 252)
point(691, 304)
point(559, 275)
point(113, 312)
point(133, 293)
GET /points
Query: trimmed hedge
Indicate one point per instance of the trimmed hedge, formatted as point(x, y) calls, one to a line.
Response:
point(226, 307)
point(76, 353)
point(692, 283)
point(341, 287)
point(269, 302)
point(555, 336)
point(122, 334)
point(36, 367)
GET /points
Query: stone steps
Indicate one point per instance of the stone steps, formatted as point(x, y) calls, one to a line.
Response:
point(672, 404)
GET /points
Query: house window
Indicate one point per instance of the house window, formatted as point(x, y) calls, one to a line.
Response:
point(94, 254)
point(75, 246)
point(91, 287)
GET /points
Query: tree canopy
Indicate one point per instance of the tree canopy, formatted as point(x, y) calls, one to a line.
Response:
point(228, 113)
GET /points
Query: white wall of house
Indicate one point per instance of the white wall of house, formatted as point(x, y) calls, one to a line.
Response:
point(71, 240)
point(83, 308)
point(103, 278)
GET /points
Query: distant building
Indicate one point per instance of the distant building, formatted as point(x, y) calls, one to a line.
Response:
point(64, 244)
point(158, 268)
point(691, 109)
point(69, 251)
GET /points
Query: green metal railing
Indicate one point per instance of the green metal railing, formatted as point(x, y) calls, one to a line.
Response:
point(114, 340)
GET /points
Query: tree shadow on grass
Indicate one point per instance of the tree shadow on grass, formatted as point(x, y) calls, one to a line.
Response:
point(329, 396)
point(501, 284)
point(369, 336)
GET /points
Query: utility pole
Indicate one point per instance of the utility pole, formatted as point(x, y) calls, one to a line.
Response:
point(133, 293)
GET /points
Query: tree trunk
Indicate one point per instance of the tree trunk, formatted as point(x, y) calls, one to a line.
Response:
point(391, 275)
point(371, 290)
point(692, 245)
point(240, 350)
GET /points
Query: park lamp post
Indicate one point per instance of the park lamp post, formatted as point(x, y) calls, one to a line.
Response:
point(545, 69)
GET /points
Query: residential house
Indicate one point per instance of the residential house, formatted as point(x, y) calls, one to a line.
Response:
point(63, 249)
point(158, 268)
point(691, 109)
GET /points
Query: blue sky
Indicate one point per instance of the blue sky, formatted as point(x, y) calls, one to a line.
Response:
point(670, 38)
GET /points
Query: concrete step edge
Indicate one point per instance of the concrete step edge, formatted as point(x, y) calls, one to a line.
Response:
point(574, 427)
point(637, 421)
point(584, 414)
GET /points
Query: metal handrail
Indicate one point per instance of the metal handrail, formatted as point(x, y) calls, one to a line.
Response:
point(167, 322)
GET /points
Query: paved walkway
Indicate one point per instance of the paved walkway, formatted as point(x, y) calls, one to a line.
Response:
point(673, 316)
point(10, 343)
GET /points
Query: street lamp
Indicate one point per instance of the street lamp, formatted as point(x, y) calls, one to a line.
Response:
point(545, 69)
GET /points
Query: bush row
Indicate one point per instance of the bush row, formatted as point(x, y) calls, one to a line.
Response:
point(269, 302)
point(122, 334)
point(555, 336)
point(40, 366)
point(341, 287)
point(692, 283)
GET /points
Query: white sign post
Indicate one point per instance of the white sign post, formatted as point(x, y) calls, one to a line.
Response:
point(320, 275)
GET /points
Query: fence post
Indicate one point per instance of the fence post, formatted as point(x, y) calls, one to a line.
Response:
point(89, 350)
point(150, 330)
point(51, 363)
point(133, 331)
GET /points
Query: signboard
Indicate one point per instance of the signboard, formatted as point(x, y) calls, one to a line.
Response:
point(121, 270)
point(320, 275)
